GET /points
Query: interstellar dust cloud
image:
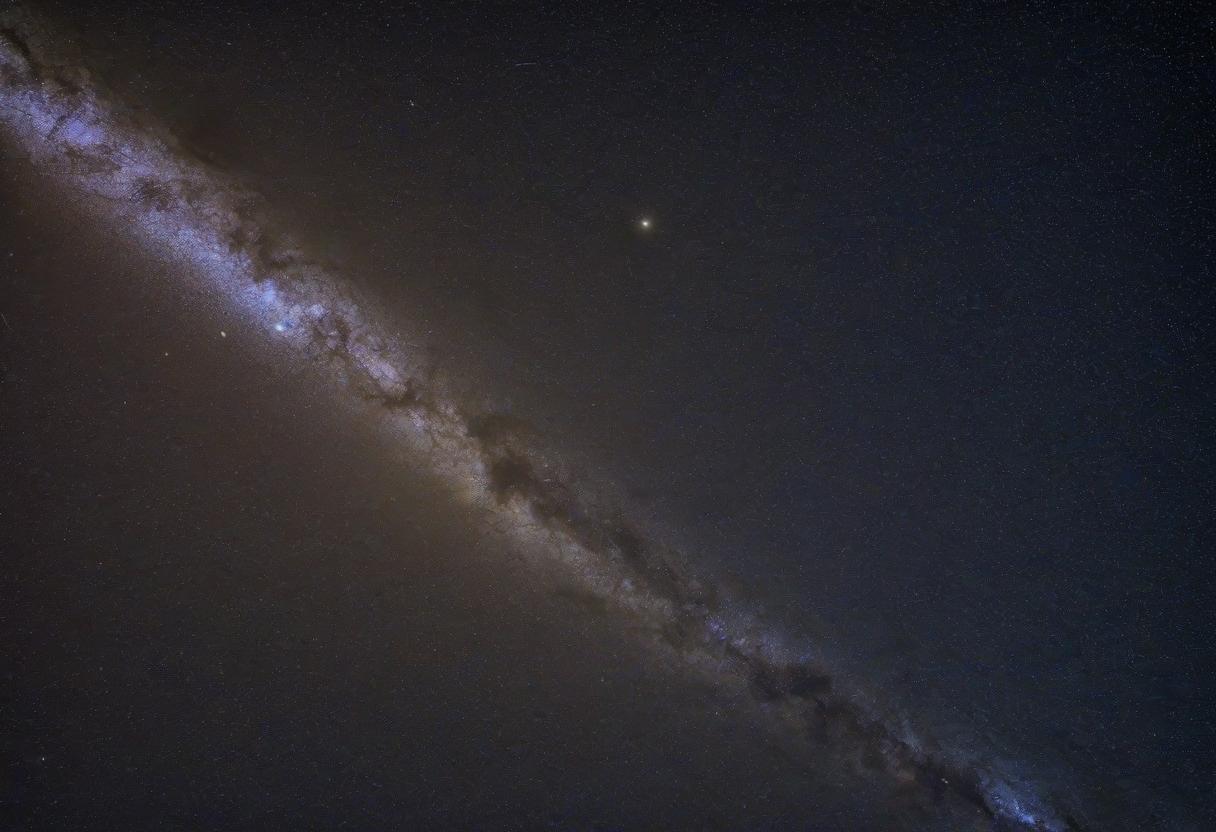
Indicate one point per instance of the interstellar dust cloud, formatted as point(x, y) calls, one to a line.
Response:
point(135, 175)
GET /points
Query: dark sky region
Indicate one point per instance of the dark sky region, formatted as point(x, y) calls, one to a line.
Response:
point(606, 417)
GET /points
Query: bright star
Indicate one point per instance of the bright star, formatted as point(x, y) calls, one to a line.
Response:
point(645, 223)
point(280, 327)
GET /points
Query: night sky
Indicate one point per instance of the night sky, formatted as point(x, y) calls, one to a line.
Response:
point(544, 416)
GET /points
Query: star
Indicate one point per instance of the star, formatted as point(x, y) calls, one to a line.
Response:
point(645, 223)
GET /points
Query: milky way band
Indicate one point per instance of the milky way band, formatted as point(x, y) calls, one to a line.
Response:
point(133, 173)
